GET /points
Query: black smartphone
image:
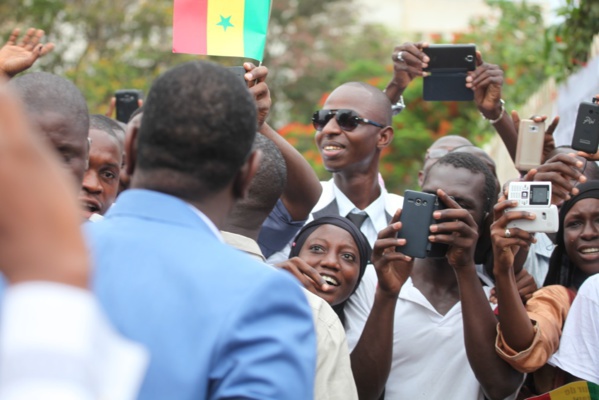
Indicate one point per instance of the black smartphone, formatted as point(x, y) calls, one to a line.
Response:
point(416, 217)
point(127, 101)
point(438, 250)
point(586, 131)
point(448, 67)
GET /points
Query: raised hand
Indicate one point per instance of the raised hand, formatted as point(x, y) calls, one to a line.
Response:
point(408, 61)
point(392, 267)
point(486, 82)
point(460, 232)
point(564, 171)
point(17, 57)
point(506, 245)
point(256, 77)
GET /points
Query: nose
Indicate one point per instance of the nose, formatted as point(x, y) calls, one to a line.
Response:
point(590, 231)
point(330, 261)
point(91, 182)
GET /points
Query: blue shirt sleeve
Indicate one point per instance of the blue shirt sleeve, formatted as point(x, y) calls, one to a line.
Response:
point(278, 230)
point(269, 351)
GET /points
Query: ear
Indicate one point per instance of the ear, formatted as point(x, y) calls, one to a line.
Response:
point(131, 148)
point(243, 179)
point(385, 137)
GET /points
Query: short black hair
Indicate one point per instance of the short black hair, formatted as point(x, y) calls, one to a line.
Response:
point(265, 190)
point(475, 165)
point(197, 129)
point(108, 125)
point(270, 179)
point(43, 92)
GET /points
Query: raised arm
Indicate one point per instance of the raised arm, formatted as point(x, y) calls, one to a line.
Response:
point(372, 355)
point(497, 378)
point(17, 57)
point(303, 187)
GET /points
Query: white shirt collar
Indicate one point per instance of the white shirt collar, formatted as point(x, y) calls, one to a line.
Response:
point(375, 210)
point(208, 222)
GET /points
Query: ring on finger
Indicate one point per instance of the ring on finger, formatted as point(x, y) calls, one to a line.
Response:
point(508, 234)
point(400, 56)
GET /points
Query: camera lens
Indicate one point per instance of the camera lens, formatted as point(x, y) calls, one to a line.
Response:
point(418, 202)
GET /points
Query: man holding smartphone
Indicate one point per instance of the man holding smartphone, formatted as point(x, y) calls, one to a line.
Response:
point(442, 324)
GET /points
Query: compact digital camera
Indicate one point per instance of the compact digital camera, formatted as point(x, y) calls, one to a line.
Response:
point(534, 197)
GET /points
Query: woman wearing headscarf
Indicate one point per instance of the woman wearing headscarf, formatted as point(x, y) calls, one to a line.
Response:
point(335, 252)
point(529, 335)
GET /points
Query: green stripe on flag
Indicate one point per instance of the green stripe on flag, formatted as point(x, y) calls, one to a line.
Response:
point(255, 27)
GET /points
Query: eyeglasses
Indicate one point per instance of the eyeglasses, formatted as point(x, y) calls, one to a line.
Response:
point(347, 120)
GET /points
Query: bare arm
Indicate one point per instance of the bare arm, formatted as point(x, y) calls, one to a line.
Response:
point(303, 188)
point(497, 378)
point(515, 323)
point(371, 358)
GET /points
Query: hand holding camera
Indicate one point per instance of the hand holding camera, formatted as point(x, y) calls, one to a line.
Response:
point(531, 203)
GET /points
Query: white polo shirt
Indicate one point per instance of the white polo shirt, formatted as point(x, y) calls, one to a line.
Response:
point(429, 356)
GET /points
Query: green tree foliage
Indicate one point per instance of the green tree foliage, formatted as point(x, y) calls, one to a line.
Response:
point(567, 44)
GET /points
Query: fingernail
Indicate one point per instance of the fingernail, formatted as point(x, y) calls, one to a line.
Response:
point(426, 59)
point(325, 287)
point(437, 215)
point(249, 76)
point(582, 179)
point(434, 228)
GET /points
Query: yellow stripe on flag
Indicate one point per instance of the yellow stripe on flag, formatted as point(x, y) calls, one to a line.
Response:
point(225, 27)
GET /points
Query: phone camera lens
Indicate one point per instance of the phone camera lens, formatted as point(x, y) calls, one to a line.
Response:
point(418, 202)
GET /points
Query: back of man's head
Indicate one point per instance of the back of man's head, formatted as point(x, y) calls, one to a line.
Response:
point(266, 188)
point(43, 92)
point(59, 111)
point(197, 130)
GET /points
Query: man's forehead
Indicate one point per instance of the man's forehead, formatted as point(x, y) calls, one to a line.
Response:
point(352, 97)
point(457, 182)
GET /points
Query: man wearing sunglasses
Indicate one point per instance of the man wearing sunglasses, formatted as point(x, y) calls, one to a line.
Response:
point(352, 130)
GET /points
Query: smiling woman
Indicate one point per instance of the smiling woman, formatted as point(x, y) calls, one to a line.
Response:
point(529, 335)
point(329, 256)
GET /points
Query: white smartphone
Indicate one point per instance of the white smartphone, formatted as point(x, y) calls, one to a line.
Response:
point(529, 150)
point(534, 197)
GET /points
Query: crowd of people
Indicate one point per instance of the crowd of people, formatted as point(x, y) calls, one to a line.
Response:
point(192, 253)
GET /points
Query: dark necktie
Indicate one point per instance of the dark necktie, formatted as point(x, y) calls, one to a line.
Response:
point(357, 219)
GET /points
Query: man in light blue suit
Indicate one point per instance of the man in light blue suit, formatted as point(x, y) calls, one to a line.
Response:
point(217, 324)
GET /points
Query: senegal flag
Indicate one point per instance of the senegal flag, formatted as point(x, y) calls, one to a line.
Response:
point(580, 390)
point(234, 28)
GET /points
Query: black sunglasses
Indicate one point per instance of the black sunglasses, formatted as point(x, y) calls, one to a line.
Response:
point(347, 120)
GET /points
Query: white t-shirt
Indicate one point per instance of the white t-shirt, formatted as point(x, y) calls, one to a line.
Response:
point(578, 351)
point(55, 343)
point(429, 356)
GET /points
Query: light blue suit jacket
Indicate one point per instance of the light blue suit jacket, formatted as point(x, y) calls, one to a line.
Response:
point(217, 324)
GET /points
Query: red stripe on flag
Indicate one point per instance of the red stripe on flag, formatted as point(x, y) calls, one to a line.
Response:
point(189, 26)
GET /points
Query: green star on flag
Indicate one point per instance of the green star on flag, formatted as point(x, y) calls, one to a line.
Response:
point(225, 22)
